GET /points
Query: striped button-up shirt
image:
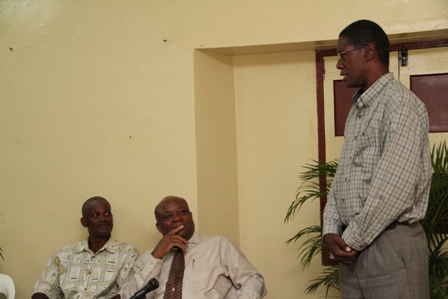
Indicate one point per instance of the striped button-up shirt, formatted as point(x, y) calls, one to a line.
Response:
point(384, 172)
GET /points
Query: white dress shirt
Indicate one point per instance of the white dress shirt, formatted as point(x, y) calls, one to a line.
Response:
point(215, 268)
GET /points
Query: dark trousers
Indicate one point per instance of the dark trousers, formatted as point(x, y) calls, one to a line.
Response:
point(393, 266)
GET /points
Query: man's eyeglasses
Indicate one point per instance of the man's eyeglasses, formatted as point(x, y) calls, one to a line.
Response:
point(341, 54)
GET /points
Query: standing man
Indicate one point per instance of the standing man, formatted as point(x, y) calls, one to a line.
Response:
point(214, 267)
point(381, 187)
point(94, 268)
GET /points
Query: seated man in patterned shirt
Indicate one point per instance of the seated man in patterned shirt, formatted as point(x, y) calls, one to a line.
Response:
point(94, 268)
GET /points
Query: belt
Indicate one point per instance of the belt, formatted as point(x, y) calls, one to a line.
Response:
point(394, 224)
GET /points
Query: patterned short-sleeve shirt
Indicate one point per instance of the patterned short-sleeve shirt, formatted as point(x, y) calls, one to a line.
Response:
point(75, 272)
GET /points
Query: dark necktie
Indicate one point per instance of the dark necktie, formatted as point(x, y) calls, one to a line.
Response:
point(174, 284)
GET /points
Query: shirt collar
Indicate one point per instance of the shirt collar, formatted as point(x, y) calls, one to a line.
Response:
point(194, 240)
point(363, 99)
point(111, 246)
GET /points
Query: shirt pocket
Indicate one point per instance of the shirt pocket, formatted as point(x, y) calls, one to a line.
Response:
point(363, 149)
point(208, 277)
point(200, 271)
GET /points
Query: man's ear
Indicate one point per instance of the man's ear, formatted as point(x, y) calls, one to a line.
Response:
point(158, 228)
point(370, 51)
point(84, 222)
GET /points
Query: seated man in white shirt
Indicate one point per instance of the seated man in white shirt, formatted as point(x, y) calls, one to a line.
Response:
point(214, 266)
point(94, 268)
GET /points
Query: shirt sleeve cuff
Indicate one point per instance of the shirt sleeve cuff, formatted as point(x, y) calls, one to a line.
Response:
point(352, 239)
point(149, 267)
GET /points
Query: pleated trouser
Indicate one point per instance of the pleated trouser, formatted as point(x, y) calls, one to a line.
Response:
point(393, 266)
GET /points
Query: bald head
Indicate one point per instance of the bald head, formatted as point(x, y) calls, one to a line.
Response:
point(97, 217)
point(88, 204)
point(172, 212)
point(166, 201)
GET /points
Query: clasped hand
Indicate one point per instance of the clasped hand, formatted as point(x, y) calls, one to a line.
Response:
point(341, 252)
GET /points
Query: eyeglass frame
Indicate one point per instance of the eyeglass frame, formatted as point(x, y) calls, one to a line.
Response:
point(341, 54)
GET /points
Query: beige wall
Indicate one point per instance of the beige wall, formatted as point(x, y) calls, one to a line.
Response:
point(111, 98)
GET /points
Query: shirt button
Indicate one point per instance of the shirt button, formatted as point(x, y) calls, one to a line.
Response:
point(356, 137)
point(359, 116)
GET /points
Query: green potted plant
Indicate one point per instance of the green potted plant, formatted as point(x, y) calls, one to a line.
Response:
point(435, 222)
